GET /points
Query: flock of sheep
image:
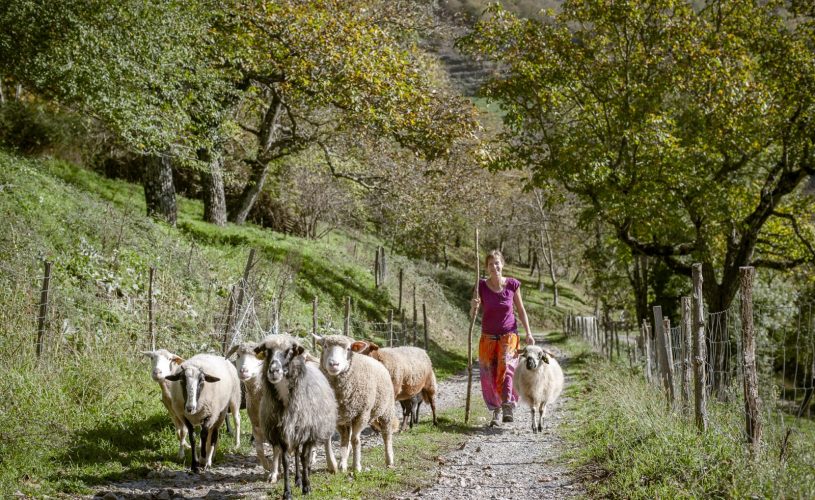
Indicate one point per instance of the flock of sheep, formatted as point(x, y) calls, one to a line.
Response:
point(296, 402)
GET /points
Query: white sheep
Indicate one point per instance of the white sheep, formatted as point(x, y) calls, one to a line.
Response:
point(249, 372)
point(298, 408)
point(164, 363)
point(411, 373)
point(539, 381)
point(364, 394)
point(206, 387)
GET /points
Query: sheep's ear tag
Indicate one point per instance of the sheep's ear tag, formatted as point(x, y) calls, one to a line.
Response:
point(261, 355)
point(359, 346)
point(177, 360)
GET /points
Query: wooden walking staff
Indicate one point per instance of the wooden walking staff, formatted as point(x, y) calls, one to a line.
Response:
point(470, 334)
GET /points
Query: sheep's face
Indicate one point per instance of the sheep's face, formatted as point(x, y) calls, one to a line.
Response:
point(337, 353)
point(277, 355)
point(534, 356)
point(163, 363)
point(192, 381)
point(248, 364)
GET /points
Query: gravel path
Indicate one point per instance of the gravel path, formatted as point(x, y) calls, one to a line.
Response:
point(508, 461)
point(504, 462)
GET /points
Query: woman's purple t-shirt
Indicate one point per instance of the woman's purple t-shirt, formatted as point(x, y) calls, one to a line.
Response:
point(499, 313)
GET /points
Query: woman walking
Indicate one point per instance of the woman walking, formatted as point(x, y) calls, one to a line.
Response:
point(498, 348)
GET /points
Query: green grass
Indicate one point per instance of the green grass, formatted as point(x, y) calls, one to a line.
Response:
point(628, 445)
point(88, 413)
point(416, 454)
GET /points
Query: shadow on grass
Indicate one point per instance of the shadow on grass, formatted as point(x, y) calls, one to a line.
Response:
point(131, 444)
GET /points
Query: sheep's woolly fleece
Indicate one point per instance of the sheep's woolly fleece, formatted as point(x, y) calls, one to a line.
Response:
point(507, 462)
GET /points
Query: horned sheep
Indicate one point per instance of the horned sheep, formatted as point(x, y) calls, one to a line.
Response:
point(539, 381)
point(298, 409)
point(364, 394)
point(207, 386)
point(411, 373)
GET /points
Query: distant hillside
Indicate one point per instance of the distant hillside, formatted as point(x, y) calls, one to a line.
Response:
point(456, 16)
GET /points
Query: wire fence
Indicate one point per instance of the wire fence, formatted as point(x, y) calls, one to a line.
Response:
point(52, 315)
point(784, 366)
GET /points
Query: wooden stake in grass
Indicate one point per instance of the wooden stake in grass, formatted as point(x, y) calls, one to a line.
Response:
point(314, 324)
point(699, 350)
point(346, 324)
point(390, 327)
point(752, 402)
point(424, 316)
point(664, 355)
point(42, 320)
point(470, 334)
point(150, 315)
point(686, 355)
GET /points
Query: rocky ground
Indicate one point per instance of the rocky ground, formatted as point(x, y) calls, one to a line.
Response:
point(508, 461)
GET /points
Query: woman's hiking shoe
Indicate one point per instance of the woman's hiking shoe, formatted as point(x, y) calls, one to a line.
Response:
point(495, 413)
point(507, 413)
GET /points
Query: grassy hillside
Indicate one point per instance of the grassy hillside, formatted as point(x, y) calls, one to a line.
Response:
point(87, 412)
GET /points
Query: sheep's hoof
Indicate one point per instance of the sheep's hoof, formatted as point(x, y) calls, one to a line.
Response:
point(273, 477)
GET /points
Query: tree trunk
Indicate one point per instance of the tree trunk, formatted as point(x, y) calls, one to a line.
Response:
point(159, 190)
point(213, 181)
point(251, 192)
point(267, 137)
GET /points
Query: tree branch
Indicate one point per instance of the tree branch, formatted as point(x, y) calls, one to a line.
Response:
point(362, 180)
point(797, 230)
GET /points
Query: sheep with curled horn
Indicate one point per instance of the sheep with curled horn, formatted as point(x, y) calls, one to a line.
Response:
point(206, 386)
point(539, 381)
point(298, 409)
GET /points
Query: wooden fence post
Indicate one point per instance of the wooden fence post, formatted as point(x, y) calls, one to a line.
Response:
point(665, 367)
point(150, 314)
point(390, 327)
point(402, 327)
point(383, 266)
point(415, 315)
point(314, 324)
point(346, 324)
point(685, 335)
point(646, 336)
point(275, 316)
point(424, 316)
point(669, 350)
point(376, 268)
point(401, 277)
point(229, 316)
point(699, 350)
point(42, 319)
point(752, 402)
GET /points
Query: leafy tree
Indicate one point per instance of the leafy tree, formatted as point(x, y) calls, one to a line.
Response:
point(143, 69)
point(688, 131)
point(326, 69)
